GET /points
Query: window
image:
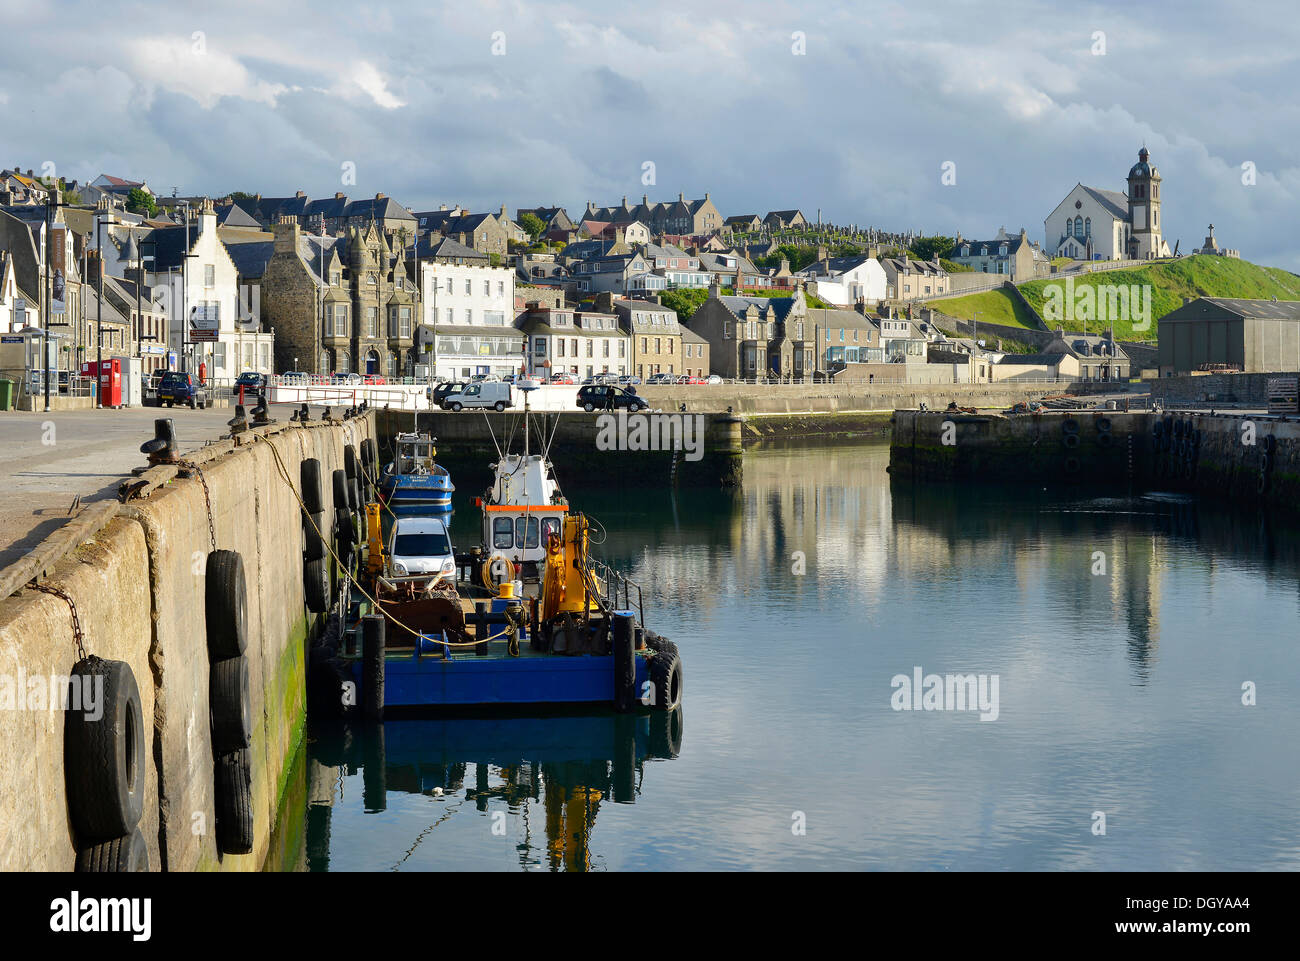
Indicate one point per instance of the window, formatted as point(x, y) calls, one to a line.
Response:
point(450, 315)
point(605, 349)
point(487, 288)
point(656, 345)
point(372, 321)
point(573, 343)
point(469, 286)
point(501, 288)
point(644, 347)
point(590, 347)
point(503, 533)
point(540, 347)
point(448, 285)
point(372, 279)
point(559, 346)
point(209, 275)
point(469, 316)
point(622, 348)
point(550, 528)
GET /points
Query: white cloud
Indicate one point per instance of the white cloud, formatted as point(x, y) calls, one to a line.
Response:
point(205, 75)
point(372, 82)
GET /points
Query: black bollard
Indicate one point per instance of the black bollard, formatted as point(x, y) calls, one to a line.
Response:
point(372, 667)
point(624, 664)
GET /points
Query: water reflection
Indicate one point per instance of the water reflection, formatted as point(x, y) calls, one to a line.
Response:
point(556, 771)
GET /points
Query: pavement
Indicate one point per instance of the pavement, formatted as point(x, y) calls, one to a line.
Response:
point(49, 459)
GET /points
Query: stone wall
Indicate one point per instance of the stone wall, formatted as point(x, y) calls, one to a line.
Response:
point(139, 589)
point(761, 399)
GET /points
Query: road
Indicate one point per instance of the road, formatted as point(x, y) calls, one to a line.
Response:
point(48, 459)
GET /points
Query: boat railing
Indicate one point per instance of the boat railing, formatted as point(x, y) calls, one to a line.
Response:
point(618, 588)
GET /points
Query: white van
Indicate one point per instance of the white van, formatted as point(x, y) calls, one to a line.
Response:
point(486, 393)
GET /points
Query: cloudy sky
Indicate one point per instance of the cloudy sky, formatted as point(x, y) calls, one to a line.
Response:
point(853, 108)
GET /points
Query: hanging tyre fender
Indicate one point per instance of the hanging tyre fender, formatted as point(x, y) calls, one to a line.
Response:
point(316, 585)
point(104, 756)
point(127, 854)
point(1105, 439)
point(233, 801)
point(341, 490)
point(225, 605)
point(229, 705)
point(313, 543)
point(1070, 426)
point(310, 483)
point(1071, 441)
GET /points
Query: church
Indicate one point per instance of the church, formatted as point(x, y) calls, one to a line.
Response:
point(1095, 224)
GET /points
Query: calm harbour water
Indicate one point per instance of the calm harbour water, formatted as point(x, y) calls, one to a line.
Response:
point(1118, 692)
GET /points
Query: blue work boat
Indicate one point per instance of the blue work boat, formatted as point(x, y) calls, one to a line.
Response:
point(413, 483)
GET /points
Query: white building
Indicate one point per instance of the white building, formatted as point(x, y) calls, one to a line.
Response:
point(843, 281)
point(1095, 224)
point(583, 343)
point(468, 320)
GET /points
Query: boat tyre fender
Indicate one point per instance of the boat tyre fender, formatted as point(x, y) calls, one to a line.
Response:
point(1103, 425)
point(313, 494)
point(316, 585)
point(1072, 465)
point(659, 644)
point(124, 855)
point(351, 470)
point(104, 758)
point(1104, 439)
point(1070, 426)
point(1270, 444)
point(666, 682)
point(1261, 486)
point(1265, 462)
point(1071, 441)
point(230, 705)
point(339, 480)
point(225, 605)
point(233, 800)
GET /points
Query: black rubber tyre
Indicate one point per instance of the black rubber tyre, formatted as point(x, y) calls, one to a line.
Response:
point(665, 734)
point(353, 470)
point(230, 705)
point(225, 605)
point(316, 585)
point(1105, 440)
point(633, 408)
point(1072, 465)
point(666, 681)
point(313, 544)
point(499, 406)
point(1270, 443)
point(125, 855)
point(660, 644)
point(1103, 424)
point(104, 759)
point(1265, 462)
point(313, 493)
point(589, 407)
point(341, 490)
point(233, 799)
point(456, 408)
point(1071, 441)
point(1070, 425)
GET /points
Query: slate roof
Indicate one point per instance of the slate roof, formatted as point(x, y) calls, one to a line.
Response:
point(233, 215)
point(386, 208)
point(780, 306)
point(1261, 309)
point(1112, 200)
point(250, 259)
point(1020, 360)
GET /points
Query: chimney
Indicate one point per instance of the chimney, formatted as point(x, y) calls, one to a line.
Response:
point(286, 235)
point(300, 193)
point(645, 200)
point(503, 212)
point(339, 195)
point(681, 198)
point(379, 196)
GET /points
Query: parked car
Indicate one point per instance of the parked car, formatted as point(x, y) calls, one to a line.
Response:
point(421, 545)
point(179, 387)
point(713, 379)
point(251, 381)
point(442, 391)
point(484, 394)
point(562, 379)
point(373, 379)
point(659, 379)
point(607, 397)
point(628, 380)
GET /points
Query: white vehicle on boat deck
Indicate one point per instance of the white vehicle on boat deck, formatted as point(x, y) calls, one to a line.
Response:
point(420, 545)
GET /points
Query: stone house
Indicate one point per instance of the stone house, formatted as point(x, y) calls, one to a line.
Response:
point(695, 353)
point(681, 217)
point(467, 319)
point(752, 337)
point(578, 342)
point(1013, 256)
point(785, 219)
point(845, 337)
point(655, 337)
point(907, 279)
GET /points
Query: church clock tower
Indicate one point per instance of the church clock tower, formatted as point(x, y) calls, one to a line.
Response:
point(1144, 209)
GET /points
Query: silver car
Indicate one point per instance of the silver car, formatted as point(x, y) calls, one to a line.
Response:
point(420, 546)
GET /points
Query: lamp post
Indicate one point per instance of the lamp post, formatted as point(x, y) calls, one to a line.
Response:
point(99, 313)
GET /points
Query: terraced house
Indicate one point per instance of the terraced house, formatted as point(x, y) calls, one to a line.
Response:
point(681, 217)
point(579, 342)
point(654, 336)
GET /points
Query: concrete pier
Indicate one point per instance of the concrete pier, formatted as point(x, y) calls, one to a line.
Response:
point(1232, 457)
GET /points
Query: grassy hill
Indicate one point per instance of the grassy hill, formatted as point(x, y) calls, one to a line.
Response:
point(1171, 281)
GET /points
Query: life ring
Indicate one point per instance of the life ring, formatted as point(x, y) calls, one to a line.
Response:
point(104, 757)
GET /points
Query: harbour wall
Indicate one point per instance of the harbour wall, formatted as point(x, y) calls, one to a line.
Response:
point(834, 398)
point(135, 572)
point(1233, 458)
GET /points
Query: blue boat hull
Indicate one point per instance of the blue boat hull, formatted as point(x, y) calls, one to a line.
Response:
point(469, 681)
point(417, 493)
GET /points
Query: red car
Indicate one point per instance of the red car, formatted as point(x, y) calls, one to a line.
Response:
point(566, 379)
point(374, 379)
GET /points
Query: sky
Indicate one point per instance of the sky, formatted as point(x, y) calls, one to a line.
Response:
point(851, 108)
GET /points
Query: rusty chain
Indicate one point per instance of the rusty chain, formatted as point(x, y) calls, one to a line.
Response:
point(207, 496)
point(77, 635)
